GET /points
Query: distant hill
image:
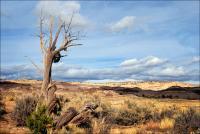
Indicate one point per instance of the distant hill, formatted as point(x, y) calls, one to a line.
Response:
point(145, 85)
point(149, 89)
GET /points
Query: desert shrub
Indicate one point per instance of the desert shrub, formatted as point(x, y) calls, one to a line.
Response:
point(63, 99)
point(105, 110)
point(2, 108)
point(101, 126)
point(169, 112)
point(126, 118)
point(187, 122)
point(71, 129)
point(133, 116)
point(106, 113)
point(102, 119)
point(24, 107)
point(38, 120)
point(10, 97)
point(167, 123)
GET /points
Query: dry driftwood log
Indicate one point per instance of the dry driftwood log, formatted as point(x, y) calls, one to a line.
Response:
point(85, 115)
point(81, 118)
point(66, 117)
point(72, 116)
point(90, 106)
point(51, 91)
point(52, 99)
point(52, 104)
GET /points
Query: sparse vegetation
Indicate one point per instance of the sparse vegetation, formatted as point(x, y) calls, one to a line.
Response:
point(24, 107)
point(133, 116)
point(2, 108)
point(101, 126)
point(115, 113)
point(38, 120)
point(167, 123)
point(187, 122)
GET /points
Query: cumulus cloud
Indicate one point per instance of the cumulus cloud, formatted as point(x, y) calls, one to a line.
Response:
point(124, 23)
point(147, 61)
point(63, 10)
point(195, 59)
point(19, 72)
point(147, 68)
point(172, 71)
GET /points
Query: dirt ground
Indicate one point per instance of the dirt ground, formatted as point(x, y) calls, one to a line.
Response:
point(12, 90)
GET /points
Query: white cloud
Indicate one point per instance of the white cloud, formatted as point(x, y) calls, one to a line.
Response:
point(152, 61)
point(173, 71)
point(125, 23)
point(196, 59)
point(110, 80)
point(148, 68)
point(129, 62)
point(63, 10)
point(147, 61)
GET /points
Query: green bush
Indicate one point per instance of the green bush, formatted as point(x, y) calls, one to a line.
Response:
point(24, 107)
point(187, 122)
point(38, 121)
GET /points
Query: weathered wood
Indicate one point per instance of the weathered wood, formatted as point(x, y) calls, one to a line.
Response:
point(81, 118)
point(51, 92)
point(51, 52)
point(90, 106)
point(66, 117)
point(52, 104)
point(85, 115)
point(47, 72)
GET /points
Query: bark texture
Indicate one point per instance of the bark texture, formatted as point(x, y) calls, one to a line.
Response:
point(66, 117)
point(51, 54)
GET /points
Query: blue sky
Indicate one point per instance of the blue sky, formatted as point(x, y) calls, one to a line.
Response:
point(125, 40)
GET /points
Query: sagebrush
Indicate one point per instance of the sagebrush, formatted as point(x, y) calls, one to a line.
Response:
point(24, 107)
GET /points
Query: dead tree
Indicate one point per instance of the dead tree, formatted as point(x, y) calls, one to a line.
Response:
point(51, 51)
point(72, 116)
point(66, 117)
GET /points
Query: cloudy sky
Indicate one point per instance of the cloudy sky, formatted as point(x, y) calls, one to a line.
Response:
point(127, 40)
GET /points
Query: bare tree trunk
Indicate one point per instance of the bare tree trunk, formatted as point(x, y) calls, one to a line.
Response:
point(50, 51)
point(48, 60)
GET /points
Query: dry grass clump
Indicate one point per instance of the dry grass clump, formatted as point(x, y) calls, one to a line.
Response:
point(169, 112)
point(187, 122)
point(167, 123)
point(101, 126)
point(10, 96)
point(24, 107)
point(71, 128)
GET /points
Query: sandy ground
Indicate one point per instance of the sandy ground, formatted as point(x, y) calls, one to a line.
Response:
point(7, 125)
point(17, 88)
